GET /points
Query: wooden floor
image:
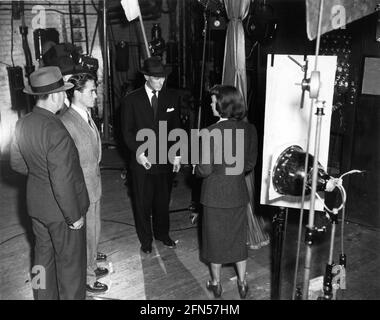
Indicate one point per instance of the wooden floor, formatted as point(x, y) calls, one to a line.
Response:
point(176, 274)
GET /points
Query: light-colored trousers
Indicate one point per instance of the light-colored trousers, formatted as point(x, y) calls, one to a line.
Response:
point(93, 235)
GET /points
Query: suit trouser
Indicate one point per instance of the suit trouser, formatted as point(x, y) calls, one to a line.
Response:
point(61, 253)
point(151, 205)
point(93, 235)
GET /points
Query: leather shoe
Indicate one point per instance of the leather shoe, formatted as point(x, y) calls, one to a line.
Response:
point(243, 288)
point(101, 257)
point(97, 287)
point(215, 288)
point(168, 242)
point(100, 272)
point(146, 249)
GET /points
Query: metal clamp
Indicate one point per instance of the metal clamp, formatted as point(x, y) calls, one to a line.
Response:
point(310, 234)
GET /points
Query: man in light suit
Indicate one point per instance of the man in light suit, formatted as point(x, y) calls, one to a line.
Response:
point(57, 198)
point(77, 120)
point(145, 108)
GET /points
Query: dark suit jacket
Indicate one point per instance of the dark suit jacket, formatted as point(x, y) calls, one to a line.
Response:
point(220, 189)
point(43, 149)
point(137, 113)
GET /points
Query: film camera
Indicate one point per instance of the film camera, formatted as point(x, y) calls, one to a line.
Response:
point(68, 58)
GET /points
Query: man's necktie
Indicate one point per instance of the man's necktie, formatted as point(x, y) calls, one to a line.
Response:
point(154, 103)
point(89, 120)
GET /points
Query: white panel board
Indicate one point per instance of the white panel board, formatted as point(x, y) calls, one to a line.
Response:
point(287, 124)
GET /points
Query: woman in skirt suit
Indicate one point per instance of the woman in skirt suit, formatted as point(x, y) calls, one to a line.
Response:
point(229, 155)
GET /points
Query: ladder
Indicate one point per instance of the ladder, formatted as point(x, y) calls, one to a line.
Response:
point(78, 25)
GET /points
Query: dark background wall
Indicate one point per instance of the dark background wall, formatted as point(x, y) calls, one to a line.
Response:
point(363, 191)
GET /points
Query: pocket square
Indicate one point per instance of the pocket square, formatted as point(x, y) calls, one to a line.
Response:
point(169, 109)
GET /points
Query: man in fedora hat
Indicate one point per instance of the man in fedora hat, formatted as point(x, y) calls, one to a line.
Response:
point(57, 198)
point(63, 56)
point(145, 108)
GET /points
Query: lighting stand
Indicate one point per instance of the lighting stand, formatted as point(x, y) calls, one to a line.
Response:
point(193, 207)
point(327, 280)
point(335, 275)
point(279, 232)
point(310, 229)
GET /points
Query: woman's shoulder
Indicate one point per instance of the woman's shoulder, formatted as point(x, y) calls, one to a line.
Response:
point(248, 125)
point(213, 126)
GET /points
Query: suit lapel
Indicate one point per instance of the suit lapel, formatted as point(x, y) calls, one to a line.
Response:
point(160, 110)
point(145, 105)
point(83, 126)
point(162, 104)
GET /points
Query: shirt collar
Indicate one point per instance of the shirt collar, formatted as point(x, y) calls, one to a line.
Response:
point(222, 119)
point(149, 91)
point(82, 113)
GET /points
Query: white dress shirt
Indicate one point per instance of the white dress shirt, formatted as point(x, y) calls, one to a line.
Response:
point(150, 93)
point(82, 112)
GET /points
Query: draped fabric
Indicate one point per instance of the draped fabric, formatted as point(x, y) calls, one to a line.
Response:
point(234, 73)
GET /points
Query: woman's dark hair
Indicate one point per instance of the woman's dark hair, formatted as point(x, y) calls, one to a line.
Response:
point(79, 81)
point(229, 102)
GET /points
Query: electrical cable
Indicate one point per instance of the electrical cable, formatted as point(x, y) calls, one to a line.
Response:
point(11, 238)
point(372, 228)
point(105, 220)
point(326, 207)
point(254, 45)
point(7, 64)
point(132, 225)
point(342, 225)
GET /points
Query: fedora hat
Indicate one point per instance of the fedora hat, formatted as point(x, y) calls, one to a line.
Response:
point(154, 67)
point(46, 80)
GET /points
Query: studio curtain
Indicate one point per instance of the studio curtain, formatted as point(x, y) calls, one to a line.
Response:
point(234, 73)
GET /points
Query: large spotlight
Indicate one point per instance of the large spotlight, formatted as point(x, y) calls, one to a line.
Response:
point(289, 172)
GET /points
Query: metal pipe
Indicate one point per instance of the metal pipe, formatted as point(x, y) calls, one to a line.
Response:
point(303, 200)
point(144, 36)
point(105, 75)
point(305, 292)
point(331, 252)
point(310, 225)
point(181, 45)
point(202, 69)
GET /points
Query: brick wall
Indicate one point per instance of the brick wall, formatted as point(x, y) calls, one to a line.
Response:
point(57, 17)
point(54, 19)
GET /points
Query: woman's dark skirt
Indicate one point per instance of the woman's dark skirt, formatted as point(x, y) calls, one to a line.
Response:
point(224, 234)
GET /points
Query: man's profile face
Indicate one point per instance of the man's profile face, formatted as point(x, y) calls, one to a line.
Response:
point(88, 95)
point(155, 83)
